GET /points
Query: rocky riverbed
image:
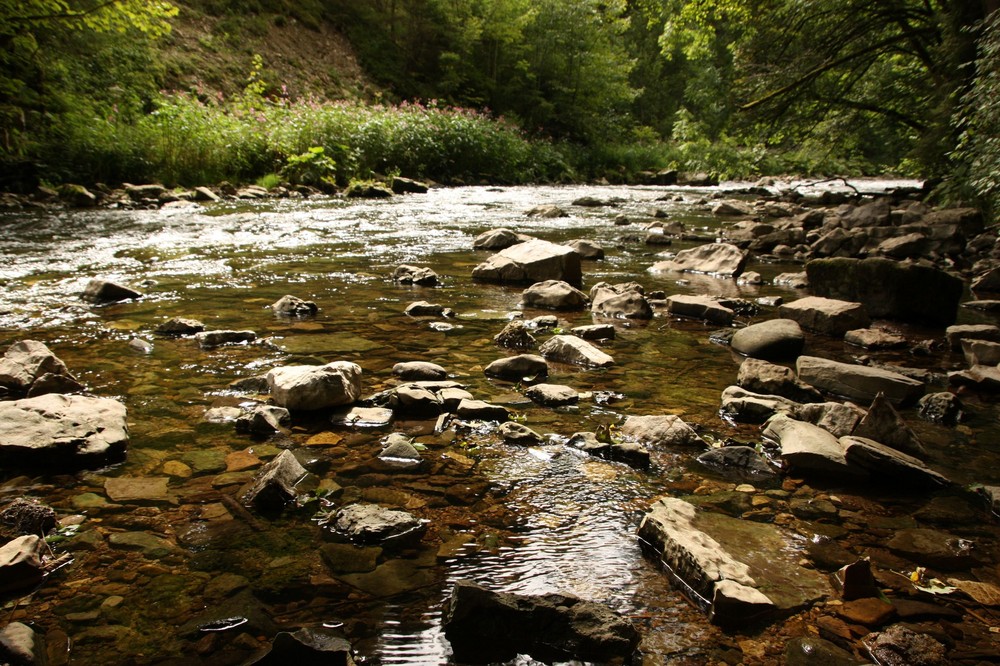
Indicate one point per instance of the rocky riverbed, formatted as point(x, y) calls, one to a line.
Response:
point(650, 425)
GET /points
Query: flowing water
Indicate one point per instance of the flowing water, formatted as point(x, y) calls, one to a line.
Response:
point(529, 520)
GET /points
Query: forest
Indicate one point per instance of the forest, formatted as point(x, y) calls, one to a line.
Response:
point(500, 90)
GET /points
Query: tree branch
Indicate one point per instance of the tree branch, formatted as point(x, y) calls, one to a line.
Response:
point(820, 69)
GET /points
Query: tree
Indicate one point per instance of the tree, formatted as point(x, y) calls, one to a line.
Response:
point(48, 51)
point(878, 79)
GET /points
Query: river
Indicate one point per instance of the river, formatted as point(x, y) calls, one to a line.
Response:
point(535, 520)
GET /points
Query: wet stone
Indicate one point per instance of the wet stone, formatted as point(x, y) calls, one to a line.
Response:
point(552, 395)
point(149, 545)
point(362, 417)
point(350, 558)
point(812, 651)
point(520, 434)
point(129, 489)
point(373, 524)
point(869, 612)
point(419, 371)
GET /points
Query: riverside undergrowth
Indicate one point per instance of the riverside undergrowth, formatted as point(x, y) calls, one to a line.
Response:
point(189, 140)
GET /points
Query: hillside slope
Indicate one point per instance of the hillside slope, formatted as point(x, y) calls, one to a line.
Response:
point(215, 54)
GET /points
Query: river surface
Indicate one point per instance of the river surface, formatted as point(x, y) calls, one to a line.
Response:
point(529, 520)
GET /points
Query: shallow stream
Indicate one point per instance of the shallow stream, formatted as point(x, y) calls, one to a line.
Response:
point(529, 520)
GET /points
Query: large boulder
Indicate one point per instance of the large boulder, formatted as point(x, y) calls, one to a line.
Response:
point(554, 295)
point(826, 315)
point(665, 430)
point(890, 289)
point(484, 626)
point(858, 382)
point(743, 570)
point(63, 430)
point(773, 340)
point(533, 261)
point(308, 387)
point(574, 350)
point(721, 259)
point(26, 363)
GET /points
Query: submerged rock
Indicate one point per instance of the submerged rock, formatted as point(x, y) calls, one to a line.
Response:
point(740, 570)
point(484, 626)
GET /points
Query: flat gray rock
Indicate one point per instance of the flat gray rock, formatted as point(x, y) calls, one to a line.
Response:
point(700, 307)
point(63, 430)
point(858, 382)
point(721, 259)
point(826, 315)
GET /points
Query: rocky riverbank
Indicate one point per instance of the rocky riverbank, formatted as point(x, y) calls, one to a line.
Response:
point(830, 530)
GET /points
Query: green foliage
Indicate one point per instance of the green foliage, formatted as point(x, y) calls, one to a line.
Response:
point(977, 158)
point(312, 167)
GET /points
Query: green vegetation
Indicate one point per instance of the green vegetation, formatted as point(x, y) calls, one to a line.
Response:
point(522, 90)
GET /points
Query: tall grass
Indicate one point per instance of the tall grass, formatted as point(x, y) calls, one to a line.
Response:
point(187, 141)
point(190, 141)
